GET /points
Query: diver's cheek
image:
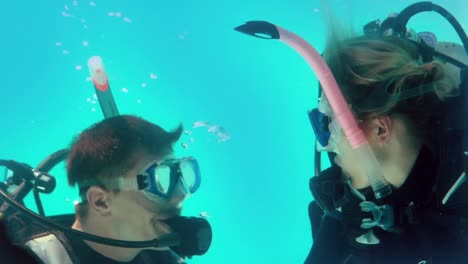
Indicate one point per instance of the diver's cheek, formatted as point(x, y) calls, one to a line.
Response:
point(352, 169)
point(151, 201)
point(359, 179)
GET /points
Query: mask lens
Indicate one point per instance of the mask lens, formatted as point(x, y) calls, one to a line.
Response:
point(188, 168)
point(320, 123)
point(162, 176)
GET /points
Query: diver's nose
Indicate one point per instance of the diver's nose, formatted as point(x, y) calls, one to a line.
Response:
point(179, 195)
point(321, 148)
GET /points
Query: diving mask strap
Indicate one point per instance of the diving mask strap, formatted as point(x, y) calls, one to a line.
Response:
point(378, 96)
point(120, 183)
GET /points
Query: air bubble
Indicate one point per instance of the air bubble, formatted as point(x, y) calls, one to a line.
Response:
point(205, 214)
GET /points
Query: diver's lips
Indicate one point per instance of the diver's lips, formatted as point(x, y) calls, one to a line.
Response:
point(164, 217)
point(168, 213)
point(166, 228)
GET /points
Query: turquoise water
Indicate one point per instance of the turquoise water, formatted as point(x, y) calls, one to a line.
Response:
point(177, 62)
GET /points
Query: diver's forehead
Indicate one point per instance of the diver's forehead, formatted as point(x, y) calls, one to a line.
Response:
point(159, 160)
point(147, 161)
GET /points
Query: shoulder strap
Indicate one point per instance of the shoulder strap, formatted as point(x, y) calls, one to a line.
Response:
point(49, 249)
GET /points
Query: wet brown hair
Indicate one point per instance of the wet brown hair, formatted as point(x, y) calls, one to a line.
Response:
point(110, 148)
point(363, 64)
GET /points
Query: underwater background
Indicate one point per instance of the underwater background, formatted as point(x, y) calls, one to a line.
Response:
point(243, 101)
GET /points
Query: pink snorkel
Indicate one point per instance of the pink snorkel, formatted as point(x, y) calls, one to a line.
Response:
point(338, 103)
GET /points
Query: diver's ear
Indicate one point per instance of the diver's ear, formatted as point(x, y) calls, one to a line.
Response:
point(380, 129)
point(99, 200)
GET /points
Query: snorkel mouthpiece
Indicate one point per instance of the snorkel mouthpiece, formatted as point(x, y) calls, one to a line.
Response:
point(195, 235)
point(338, 103)
point(98, 73)
point(101, 86)
point(259, 29)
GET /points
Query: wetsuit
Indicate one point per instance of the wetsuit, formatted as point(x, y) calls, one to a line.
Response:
point(432, 237)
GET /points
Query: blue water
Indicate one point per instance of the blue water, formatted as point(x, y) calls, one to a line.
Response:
point(255, 184)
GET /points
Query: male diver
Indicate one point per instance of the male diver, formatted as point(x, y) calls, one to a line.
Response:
point(131, 186)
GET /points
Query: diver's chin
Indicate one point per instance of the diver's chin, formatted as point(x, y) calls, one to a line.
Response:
point(161, 229)
point(359, 183)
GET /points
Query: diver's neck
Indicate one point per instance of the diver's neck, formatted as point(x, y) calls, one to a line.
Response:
point(115, 253)
point(398, 170)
